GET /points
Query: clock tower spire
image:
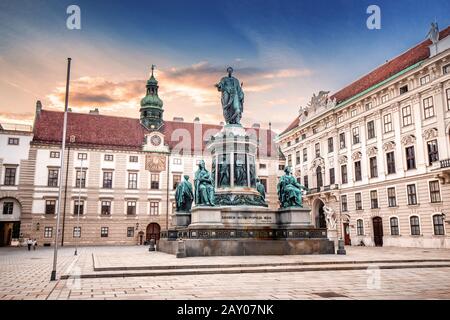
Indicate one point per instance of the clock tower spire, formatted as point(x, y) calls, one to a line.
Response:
point(151, 105)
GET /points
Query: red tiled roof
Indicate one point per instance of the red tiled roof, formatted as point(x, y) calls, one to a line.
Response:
point(119, 132)
point(403, 61)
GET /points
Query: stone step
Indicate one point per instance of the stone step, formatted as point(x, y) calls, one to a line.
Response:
point(263, 269)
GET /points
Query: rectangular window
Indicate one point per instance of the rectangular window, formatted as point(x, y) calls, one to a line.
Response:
point(177, 161)
point(281, 167)
point(48, 232)
point(10, 177)
point(305, 181)
point(368, 106)
point(314, 130)
point(289, 160)
point(387, 120)
point(371, 129)
point(412, 195)
point(305, 155)
point(131, 208)
point(415, 225)
point(264, 166)
point(297, 140)
point(358, 201)
point(154, 208)
point(384, 98)
point(52, 177)
point(340, 119)
point(406, 116)
point(82, 156)
point(176, 180)
point(8, 207)
point(342, 140)
point(132, 180)
point(390, 161)
point(330, 145)
point(297, 157)
point(77, 232)
point(50, 206)
point(303, 136)
point(317, 149)
point(288, 144)
point(373, 167)
point(374, 199)
point(428, 107)
point(104, 231)
point(332, 177)
point(109, 157)
point(353, 113)
point(344, 176)
point(106, 208)
point(433, 154)
point(394, 226)
point(344, 203)
point(130, 232)
point(435, 193)
point(355, 134)
point(438, 225)
point(424, 80)
point(360, 227)
point(358, 171)
point(80, 178)
point(392, 200)
point(446, 69)
point(404, 89)
point(448, 98)
point(13, 141)
point(78, 205)
point(54, 154)
point(134, 159)
point(410, 158)
point(107, 179)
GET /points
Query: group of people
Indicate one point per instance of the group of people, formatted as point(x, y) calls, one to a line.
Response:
point(31, 243)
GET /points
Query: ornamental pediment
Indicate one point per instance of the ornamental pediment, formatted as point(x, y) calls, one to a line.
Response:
point(409, 139)
point(343, 159)
point(372, 151)
point(430, 133)
point(318, 104)
point(317, 162)
point(389, 146)
point(356, 155)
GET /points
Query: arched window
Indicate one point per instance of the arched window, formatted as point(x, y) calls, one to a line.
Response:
point(360, 227)
point(415, 225)
point(438, 224)
point(394, 226)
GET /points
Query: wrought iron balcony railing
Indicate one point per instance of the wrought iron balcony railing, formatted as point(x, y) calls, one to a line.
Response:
point(445, 163)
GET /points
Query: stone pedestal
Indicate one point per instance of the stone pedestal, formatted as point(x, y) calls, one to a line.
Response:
point(181, 219)
point(332, 236)
point(294, 218)
point(202, 217)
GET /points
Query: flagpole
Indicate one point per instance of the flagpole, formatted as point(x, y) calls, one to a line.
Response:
point(61, 175)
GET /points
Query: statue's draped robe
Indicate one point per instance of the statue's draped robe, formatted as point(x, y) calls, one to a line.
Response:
point(204, 189)
point(289, 192)
point(232, 99)
point(184, 196)
point(260, 188)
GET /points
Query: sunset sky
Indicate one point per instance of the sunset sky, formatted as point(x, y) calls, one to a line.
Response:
point(283, 51)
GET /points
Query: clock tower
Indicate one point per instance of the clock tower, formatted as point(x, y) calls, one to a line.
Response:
point(151, 106)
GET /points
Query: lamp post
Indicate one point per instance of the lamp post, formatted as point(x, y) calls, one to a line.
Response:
point(78, 208)
point(61, 175)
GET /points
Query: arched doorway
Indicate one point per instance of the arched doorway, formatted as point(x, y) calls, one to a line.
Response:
point(319, 177)
point(377, 231)
point(10, 210)
point(152, 232)
point(319, 214)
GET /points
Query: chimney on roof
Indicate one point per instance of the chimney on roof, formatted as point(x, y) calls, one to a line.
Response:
point(197, 119)
point(270, 126)
point(38, 108)
point(256, 126)
point(95, 111)
point(178, 119)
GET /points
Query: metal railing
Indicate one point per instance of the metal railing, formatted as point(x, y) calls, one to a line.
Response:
point(323, 189)
point(445, 163)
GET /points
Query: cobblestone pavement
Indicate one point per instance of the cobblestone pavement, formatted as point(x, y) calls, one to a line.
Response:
point(26, 275)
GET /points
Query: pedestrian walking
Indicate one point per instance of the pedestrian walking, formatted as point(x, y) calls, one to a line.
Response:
point(29, 243)
point(34, 244)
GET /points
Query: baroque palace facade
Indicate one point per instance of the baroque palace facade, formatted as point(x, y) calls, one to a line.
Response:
point(375, 154)
point(120, 173)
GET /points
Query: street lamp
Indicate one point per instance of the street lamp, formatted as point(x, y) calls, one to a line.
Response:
point(78, 208)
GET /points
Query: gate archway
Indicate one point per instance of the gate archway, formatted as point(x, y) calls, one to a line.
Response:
point(153, 232)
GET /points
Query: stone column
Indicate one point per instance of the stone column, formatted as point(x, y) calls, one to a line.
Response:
point(420, 147)
point(396, 122)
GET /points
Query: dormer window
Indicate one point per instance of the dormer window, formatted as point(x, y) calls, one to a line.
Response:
point(404, 89)
point(384, 98)
point(424, 80)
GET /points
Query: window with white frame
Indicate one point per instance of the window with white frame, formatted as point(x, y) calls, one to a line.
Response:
point(8, 207)
point(177, 161)
point(353, 112)
point(50, 206)
point(297, 158)
point(428, 107)
point(13, 141)
point(10, 176)
point(392, 199)
point(317, 149)
point(387, 122)
point(154, 208)
point(54, 154)
point(412, 194)
point(390, 161)
point(344, 175)
point(435, 192)
point(330, 144)
point(371, 129)
point(130, 232)
point(342, 140)
point(433, 152)
point(374, 199)
point(373, 167)
point(132, 180)
point(80, 178)
point(48, 232)
point(52, 177)
point(360, 227)
point(305, 155)
point(406, 116)
point(358, 175)
point(368, 105)
point(414, 223)
point(82, 156)
point(446, 69)
point(104, 232)
point(133, 159)
point(424, 80)
point(394, 226)
point(77, 232)
point(448, 98)
point(410, 158)
point(358, 201)
point(78, 207)
point(384, 98)
point(438, 224)
point(106, 207)
point(289, 160)
point(355, 135)
point(109, 157)
point(344, 205)
point(131, 208)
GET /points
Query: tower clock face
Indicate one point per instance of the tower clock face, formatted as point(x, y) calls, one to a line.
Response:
point(155, 140)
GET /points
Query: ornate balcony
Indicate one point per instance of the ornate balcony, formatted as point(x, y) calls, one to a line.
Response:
point(322, 189)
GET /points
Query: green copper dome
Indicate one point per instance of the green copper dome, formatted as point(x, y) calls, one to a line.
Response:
point(152, 106)
point(151, 101)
